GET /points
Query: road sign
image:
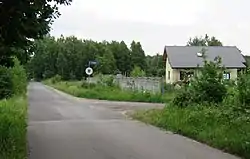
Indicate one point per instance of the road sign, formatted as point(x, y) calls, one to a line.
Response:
point(92, 62)
point(89, 71)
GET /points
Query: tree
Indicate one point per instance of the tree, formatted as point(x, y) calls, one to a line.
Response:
point(29, 20)
point(122, 56)
point(204, 41)
point(68, 57)
point(137, 72)
point(107, 64)
point(137, 55)
point(155, 65)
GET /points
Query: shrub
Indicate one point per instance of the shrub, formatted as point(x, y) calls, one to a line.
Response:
point(106, 80)
point(6, 84)
point(13, 116)
point(56, 78)
point(243, 86)
point(206, 87)
point(183, 98)
point(137, 72)
point(19, 78)
point(168, 87)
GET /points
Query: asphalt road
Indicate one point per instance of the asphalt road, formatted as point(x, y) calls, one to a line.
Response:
point(64, 127)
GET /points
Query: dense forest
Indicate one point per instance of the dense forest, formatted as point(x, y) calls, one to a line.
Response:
point(69, 57)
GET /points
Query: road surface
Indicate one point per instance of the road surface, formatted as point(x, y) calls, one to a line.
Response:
point(65, 127)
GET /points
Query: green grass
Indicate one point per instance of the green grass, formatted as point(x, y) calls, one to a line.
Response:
point(13, 128)
point(210, 125)
point(108, 93)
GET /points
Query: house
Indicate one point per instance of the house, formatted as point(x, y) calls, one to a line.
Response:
point(179, 59)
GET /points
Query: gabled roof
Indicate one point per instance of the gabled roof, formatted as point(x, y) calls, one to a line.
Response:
point(186, 56)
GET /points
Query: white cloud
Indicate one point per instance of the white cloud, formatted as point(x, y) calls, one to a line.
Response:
point(157, 23)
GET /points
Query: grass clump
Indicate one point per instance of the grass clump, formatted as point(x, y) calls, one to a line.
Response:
point(13, 113)
point(211, 125)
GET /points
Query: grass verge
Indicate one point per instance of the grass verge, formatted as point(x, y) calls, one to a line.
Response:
point(13, 128)
point(213, 126)
point(108, 93)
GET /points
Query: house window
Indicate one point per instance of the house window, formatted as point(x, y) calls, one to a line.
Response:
point(168, 75)
point(226, 75)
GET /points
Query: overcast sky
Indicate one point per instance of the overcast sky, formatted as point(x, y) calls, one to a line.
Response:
point(156, 23)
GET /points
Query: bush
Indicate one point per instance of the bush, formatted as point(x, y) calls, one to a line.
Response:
point(13, 116)
point(55, 79)
point(183, 98)
point(19, 78)
point(106, 80)
point(206, 87)
point(137, 72)
point(169, 87)
point(244, 91)
point(6, 84)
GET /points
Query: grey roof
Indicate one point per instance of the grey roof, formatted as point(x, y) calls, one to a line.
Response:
point(186, 56)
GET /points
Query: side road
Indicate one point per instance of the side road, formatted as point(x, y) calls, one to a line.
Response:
point(63, 127)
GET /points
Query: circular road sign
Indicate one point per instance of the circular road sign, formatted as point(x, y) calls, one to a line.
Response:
point(89, 71)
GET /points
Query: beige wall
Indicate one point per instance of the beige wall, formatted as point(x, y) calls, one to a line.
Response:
point(233, 73)
point(175, 73)
point(168, 69)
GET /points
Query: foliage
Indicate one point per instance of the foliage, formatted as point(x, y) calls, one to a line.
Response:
point(13, 81)
point(29, 20)
point(137, 72)
point(69, 57)
point(207, 85)
point(106, 80)
point(155, 66)
point(56, 78)
point(247, 60)
point(138, 55)
point(184, 97)
point(6, 85)
point(243, 86)
point(169, 87)
point(107, 64)
point(214, 126)
point(13, 116)
point(19, 78)
point(122, 56)
point(204, 41)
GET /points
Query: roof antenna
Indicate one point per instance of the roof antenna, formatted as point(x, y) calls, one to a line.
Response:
point(199, 54)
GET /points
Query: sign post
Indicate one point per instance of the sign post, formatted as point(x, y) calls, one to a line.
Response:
point(89, 71)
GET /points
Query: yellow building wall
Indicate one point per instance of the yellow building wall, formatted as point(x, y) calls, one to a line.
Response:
point(174, 73)
point(233, 73)
point(168, 69)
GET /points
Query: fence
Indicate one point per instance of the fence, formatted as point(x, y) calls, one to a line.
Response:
point(151, 84)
